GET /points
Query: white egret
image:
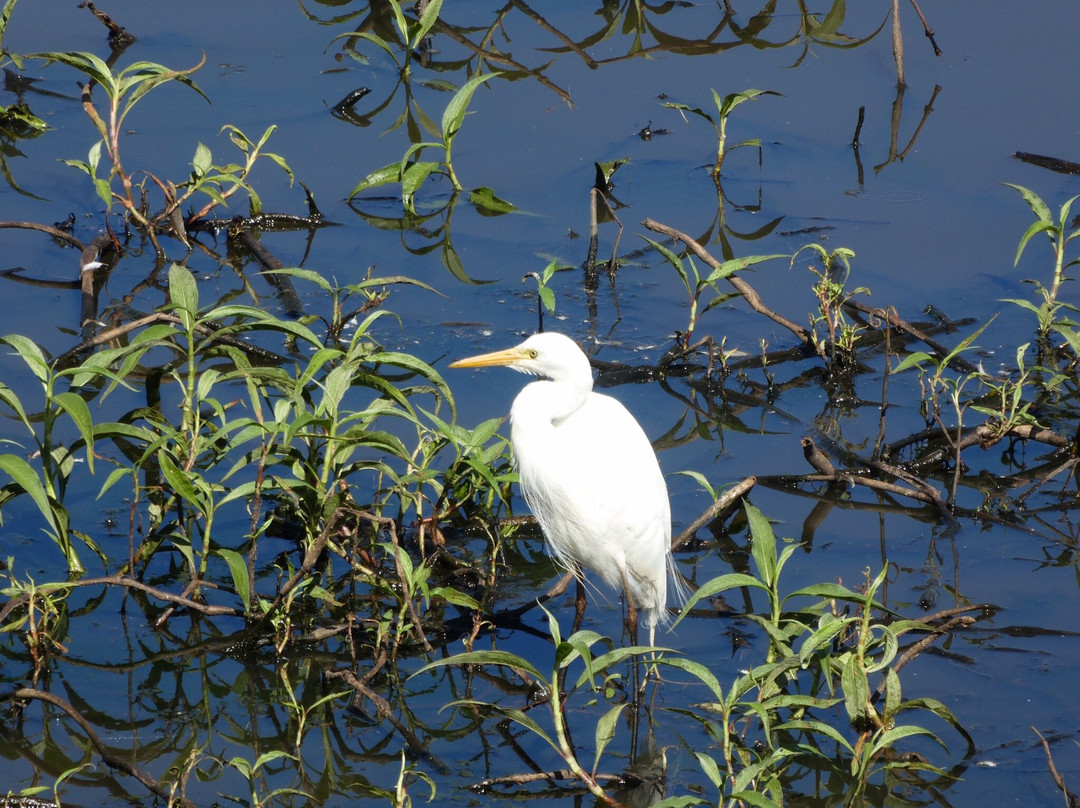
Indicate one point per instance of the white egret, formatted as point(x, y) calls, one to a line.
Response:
point(589, 474)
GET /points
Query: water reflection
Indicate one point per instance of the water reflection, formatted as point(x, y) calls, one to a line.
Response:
point(203, 702)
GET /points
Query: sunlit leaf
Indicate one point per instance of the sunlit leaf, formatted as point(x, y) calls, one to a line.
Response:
point(239, 571)
point(184, 294)
point(454, 114)
point(856, 691)
point(24, 476)
point(380, 176)
point(497, 658)
point(762, 542)
point(74, 405)
point(487, 202)
point(202, 161)
point(715, 586)
point(1034, 201)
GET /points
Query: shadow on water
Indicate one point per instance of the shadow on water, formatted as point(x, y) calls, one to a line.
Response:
point(259, 547)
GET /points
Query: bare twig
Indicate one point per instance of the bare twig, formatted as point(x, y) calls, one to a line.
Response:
point(133, 583)
point(1071, 800)
point(926, 28)
point(858, 128)
point(898, 44)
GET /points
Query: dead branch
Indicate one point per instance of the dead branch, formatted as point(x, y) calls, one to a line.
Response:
point(926, 28)
point(133, 583)
point(55, 232)
point(417, 748)
point(1071, 800)
point(985, 435)
point(817, 458)
point(282, 284)
point(114, 761)
point(552, 776)
point(723, 502)
point(107, 336)
point(896, 321)
point(746, 290)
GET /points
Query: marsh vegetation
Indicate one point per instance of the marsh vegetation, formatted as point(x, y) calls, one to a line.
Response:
point(259, 547)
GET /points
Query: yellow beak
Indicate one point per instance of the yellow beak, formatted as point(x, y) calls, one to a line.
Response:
point(494, 359)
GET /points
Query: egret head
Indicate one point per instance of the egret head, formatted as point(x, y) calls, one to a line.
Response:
point(548, 355)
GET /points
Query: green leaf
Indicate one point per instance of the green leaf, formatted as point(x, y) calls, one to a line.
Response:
point(499, 658)
point(692, 110)
point(605, 731)
point(711, 769)
point(513, 714)
point(1038, 207)
point(30, 353)
point(547, 299)
point(427, 20)
point(454, 114)
point(728, 268)
point(178, 479)
point(5, 16)
point(104, 191)
point(270, 757)
point(202, 161)
point(942, 712)
point(912, 359)
point(87, 63)
point(753, 798)
point(817, 728)
point(487, 202)
point(399, 18)
point(412, 179)
point(856, 691)
point(732, 100)
point(1070, 335)
point(763, 543)
point(74, 405)
point(238, 568)
point(451, 595)
point(721, 583)
point(381, 176)
point(677, 263)
point(24, 476)
point(1030, 233)
point(892, 693)
point(184, 294)
point(831, 591)
point(701, 480)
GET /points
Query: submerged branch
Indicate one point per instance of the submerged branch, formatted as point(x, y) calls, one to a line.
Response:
point(114, 761)
point(55, 232)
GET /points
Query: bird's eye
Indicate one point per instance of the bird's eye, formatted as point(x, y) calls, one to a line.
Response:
point(533, 353)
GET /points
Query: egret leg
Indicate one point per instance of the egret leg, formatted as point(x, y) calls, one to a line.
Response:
point(631, 610)
point(579, 604)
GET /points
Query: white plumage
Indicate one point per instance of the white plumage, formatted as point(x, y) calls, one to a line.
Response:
point(589, 473)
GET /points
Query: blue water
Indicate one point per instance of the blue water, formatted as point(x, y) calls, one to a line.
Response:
point(936, 227)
